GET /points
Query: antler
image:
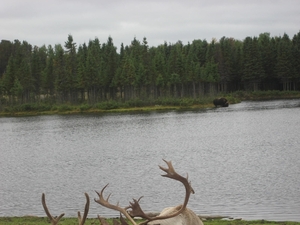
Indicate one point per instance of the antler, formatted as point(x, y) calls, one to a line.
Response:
point(136, 210)
point(54, 221)
point(170, 173)
point(81, 221)
point(106, 204)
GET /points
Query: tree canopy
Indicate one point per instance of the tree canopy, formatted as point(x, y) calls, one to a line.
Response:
point(95, 71)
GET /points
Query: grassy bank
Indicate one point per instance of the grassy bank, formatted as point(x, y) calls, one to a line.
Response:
point(266, 95)
point(94, 221)
point(165, 104)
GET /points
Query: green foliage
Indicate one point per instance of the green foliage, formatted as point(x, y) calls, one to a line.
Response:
point(29, 107)
point(84, 107)
point(168, 101)
point(9, 77)
point(210, 72)
point(239, 94)
point(138, 105)
point(96, 73)
point(264, 95)
point(252, 63)
point(17, 89)
point(63, 108)
point(183, 102)
point(285, 70)
point(107, 105)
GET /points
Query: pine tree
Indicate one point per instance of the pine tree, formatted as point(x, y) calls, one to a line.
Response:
point(190, 70)
point(268, 55)
point(93, 70)
point(160, 70)
point(17, 90)
point(225, 57)
point(118, 82)
point(82, 79)
point(296, 57)
point(8, 78)
point(60, 74)
point(128, 73)
point(48, 75)
point(6, 50)
point(176, 69)
point(284, 70)
point(36, 70)
point(253, 72)
point(71, 69)
point(26, 81)
point(110, 61)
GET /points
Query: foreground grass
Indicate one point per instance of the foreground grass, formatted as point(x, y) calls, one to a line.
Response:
point(94, 221)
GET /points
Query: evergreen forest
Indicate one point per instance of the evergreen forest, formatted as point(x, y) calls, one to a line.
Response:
point(96, 72)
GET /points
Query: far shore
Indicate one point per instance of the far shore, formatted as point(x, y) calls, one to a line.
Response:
point(36, 109)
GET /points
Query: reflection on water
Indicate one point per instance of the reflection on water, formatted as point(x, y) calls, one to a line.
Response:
point(243, 161)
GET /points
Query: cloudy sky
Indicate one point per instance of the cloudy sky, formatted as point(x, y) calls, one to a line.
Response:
point(50, 22)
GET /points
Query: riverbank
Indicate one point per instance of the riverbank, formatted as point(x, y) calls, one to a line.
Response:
point(77, 109)
point(34, 109)
point(29, 220)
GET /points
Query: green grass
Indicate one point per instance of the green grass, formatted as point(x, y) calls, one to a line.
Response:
point(42, 221)
point(30, 220)
point(73, 221)
point(265, 95)
point(244, 222)
point(105, 107)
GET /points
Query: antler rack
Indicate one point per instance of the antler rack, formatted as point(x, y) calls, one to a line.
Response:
point(136, 210)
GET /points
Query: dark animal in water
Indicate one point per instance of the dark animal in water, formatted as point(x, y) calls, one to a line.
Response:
point(220, 102)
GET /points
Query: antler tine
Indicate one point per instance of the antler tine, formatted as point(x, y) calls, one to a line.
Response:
point(106, 204)
point(81, 221)
point(171, 173)
point(170, 170)
point(54, 221)
point(136, 210)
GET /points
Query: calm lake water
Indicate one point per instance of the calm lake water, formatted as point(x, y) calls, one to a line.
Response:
point(243, 161)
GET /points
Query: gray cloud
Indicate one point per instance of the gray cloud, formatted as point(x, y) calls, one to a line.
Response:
point(50, 22)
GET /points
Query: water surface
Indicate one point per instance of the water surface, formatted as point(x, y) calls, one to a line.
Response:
point(243, 161)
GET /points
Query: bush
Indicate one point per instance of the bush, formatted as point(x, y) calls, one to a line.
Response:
point(168, 101)
point(84, 107)
point(44, 107)
point(136, 103)
point(107, 105)
point(186, 102)
point(64, 108)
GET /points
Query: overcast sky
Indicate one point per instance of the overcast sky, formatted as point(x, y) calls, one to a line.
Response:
point(42, 22)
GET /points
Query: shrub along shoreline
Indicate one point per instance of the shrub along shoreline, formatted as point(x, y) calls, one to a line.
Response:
point(165, 104)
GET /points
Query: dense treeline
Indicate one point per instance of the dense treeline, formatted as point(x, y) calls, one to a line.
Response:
point(96, 72)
